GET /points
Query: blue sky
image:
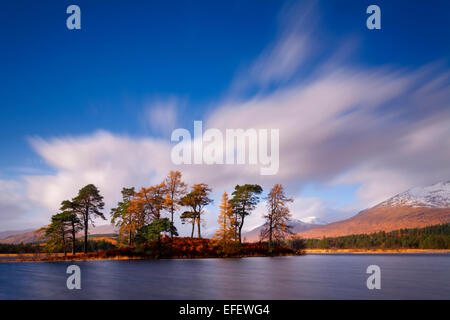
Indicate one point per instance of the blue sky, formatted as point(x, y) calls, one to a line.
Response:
point(129, 56)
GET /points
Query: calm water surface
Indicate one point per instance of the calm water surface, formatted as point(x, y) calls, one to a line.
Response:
point(314, 276)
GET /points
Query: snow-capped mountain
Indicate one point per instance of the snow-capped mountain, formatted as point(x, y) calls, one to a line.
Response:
point(434, 196)
point(416, 208)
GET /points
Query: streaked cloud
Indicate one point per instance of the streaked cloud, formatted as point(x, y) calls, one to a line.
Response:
point(161, 115)
point(14, 206)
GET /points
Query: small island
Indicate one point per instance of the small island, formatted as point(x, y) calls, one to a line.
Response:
point(145, 220)
point(167, 248)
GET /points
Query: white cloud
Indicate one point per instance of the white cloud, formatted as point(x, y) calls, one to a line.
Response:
point(109, 161)
point(162, 115)
point(13, 205)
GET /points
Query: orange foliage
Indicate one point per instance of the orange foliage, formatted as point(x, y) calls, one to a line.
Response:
point(178, 248)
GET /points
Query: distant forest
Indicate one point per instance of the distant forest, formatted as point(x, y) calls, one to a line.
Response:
point(433, 237)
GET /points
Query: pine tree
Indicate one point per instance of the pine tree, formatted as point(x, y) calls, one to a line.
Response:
point(87, 205)
point(123, 217)
point(68, 208)
point(244, 201)
point(58, 230)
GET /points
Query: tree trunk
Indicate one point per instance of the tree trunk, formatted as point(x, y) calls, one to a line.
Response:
point(64, 245)
point(198, 227)
point(73, 238)
point(171, 213)
point(86, 225)
point(159, 246)
point(193, 226)
point(129, 239)
point(240, 229)
point(270, 233)
point(236, 232)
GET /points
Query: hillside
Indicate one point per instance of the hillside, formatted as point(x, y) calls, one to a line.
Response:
point(26, 237)
point(32, 236)
point(416, 208)
point(9, 233)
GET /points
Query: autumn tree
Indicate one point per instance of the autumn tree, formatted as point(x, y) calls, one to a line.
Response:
point(227, 225)
point(88, 205)
point(244, 201)
point(136, 209)
point(69, 209)
point(124, 217)
point(153, 201)
point(176, 189)
point(276, 224)
point(196, 200)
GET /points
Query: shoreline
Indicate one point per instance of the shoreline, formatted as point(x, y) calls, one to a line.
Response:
point(61, 258)
point(379, 251)
point(32, 254)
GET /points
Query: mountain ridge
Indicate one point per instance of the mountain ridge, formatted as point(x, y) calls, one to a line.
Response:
point(415, 208)
point(8, 233)
point(33, 235)
point(433, 196)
